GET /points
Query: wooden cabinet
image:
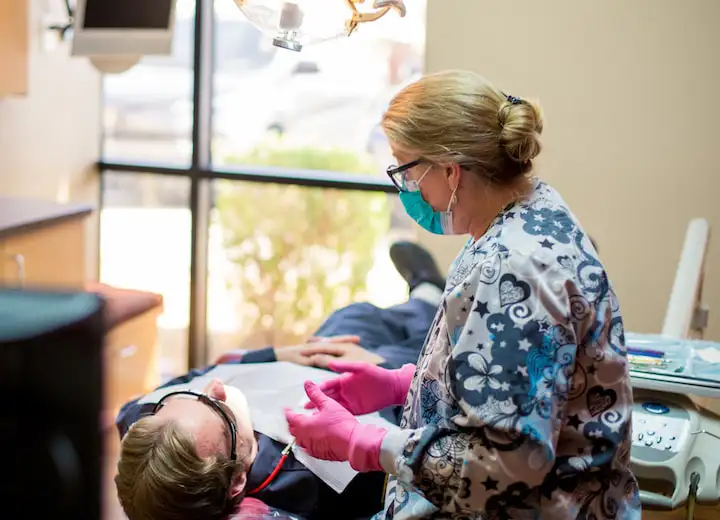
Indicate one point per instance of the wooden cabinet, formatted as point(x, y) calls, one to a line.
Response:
point(42, 244)
point(131, 354)
point(14, 47)
point(51, 255)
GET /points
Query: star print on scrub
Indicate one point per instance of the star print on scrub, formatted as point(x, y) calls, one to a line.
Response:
point(521, 405)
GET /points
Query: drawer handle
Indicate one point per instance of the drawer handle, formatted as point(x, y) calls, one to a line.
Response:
point(20, 265)
point(128, 351)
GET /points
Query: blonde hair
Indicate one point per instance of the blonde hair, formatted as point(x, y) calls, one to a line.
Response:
point(161, 477)
point(457, 116)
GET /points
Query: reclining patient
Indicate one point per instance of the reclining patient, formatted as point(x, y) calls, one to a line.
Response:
point(196, 456)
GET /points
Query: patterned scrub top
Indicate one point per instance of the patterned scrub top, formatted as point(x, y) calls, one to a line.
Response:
point(521, 401)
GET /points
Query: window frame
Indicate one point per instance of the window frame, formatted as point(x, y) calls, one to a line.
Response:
point(202, 173)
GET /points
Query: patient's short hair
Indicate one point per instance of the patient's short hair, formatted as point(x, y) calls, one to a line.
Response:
point(161, 477)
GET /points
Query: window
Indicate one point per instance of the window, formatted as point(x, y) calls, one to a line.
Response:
point(291, 210)
point(282, 258)
point(147, 111)
point(327, 97)
point(145, 244)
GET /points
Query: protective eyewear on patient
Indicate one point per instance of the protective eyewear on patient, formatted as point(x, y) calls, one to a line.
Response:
point(212, 403)
point(398, 176)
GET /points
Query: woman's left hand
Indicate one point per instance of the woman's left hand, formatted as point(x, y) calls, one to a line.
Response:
point(333, 433)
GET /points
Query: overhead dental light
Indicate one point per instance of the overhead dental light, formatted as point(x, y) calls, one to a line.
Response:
point(295, 23)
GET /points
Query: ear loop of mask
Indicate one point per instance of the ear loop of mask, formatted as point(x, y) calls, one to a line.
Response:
point(453, 198)
point(447, 220)
point(416, 187)
point(416, 184)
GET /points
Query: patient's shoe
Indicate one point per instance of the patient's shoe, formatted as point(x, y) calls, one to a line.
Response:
point(416, 265)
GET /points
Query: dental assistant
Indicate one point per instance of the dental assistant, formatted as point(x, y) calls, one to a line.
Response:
point(519, 406)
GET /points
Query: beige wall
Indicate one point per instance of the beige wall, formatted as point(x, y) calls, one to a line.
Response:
point(49, 139)
point(630, 91)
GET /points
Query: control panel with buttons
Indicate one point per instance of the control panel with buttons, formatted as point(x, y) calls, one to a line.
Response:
point(674, 438)
point(656, 433)
point(658, 427)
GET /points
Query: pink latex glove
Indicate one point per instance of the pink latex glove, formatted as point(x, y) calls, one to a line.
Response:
point(333, 433)
point(365, 388)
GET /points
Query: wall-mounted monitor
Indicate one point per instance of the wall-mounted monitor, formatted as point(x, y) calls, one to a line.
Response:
point(123, 27)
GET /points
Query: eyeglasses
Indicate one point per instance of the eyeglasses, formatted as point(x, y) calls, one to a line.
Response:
point(397, 175)
point(212, 403)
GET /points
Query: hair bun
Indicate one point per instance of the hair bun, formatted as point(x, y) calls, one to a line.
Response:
point(520, 128)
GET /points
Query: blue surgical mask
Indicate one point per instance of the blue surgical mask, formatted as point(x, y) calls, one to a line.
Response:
point(437, 222)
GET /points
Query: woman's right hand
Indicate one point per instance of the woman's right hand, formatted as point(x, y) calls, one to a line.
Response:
point(365, 388)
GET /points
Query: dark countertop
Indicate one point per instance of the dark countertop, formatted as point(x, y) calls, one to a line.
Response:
point(20, 215)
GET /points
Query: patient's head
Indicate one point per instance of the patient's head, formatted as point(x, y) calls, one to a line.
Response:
point(177, 464)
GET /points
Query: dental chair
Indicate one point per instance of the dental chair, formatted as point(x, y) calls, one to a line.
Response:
point(686, 316)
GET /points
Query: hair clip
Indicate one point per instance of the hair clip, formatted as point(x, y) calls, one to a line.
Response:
point(514, 100)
